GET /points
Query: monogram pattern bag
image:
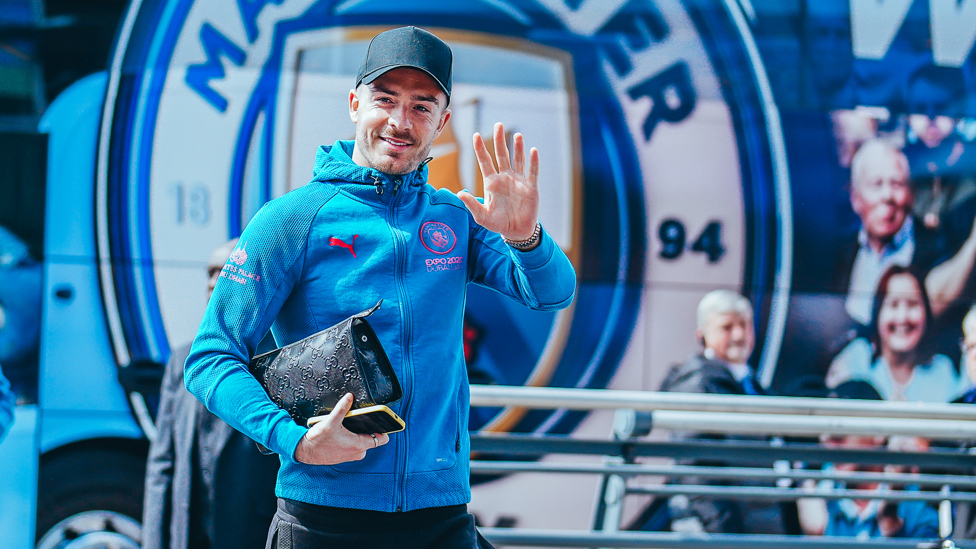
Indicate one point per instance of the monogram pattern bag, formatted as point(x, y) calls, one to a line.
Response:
point(307, 378)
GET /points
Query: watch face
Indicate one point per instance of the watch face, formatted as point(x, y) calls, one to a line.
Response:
point(658, 179)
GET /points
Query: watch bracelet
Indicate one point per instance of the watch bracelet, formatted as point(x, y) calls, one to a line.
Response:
point(528, 242)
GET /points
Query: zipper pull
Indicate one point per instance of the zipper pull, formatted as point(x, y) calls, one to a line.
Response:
point(378, 184)
point(396, 184)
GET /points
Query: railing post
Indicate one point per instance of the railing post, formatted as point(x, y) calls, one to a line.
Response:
point(945, 519)
point(627, 425)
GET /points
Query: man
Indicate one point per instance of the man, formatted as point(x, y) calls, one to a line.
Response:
point(207, 486)
point(363, 230)
point(725, 330)
point(882, 197)
point(941, 158)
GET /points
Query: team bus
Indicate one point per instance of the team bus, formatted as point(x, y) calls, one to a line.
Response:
point(686, 145)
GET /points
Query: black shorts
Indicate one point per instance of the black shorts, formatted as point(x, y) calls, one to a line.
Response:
point(299, 525)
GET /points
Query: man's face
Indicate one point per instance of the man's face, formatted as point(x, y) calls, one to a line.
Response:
point(213, 274)
point(216, 264)
point(931, 130)
point(881, 195)
point(855, 442)
point(397, 118)
point(730, 336)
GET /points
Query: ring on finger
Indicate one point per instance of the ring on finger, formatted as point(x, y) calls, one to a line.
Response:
point(375, 444)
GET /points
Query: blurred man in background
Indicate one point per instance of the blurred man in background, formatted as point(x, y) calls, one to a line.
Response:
point(207, 486)
point(725, 330)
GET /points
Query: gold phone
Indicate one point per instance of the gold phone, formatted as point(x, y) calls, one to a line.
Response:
point(375, 419)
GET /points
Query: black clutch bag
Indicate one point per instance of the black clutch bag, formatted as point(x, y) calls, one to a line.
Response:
point(307, 378)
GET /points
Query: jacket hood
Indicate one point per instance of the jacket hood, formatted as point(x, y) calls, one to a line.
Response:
point(334, 164)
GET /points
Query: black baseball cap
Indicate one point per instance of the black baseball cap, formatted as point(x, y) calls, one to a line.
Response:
point(407, 47)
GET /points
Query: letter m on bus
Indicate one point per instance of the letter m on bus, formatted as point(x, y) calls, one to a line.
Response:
point(198, 77)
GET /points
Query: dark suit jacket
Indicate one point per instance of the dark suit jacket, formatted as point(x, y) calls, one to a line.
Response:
point(235, 482)
point(701, 375)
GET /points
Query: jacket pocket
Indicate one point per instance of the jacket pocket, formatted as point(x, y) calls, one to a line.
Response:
point(436, 447)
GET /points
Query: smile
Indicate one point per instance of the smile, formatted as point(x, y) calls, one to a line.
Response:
point(396, 142)
point(902, 330)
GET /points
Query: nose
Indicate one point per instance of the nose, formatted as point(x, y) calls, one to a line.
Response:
point(399, 117)
point(887, 190)
point(901, 312)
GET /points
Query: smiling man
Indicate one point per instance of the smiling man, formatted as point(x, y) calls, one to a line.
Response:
point(370, 197)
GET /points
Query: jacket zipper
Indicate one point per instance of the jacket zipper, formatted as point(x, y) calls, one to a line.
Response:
point(399, 249)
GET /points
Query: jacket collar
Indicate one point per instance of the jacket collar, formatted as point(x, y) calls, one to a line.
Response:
point(334, 164)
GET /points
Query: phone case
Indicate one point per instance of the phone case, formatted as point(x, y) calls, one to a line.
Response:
point(370, 420)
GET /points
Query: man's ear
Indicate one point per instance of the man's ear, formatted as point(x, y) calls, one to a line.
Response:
point(445, 116)
point(353, 106)
point(855, 198)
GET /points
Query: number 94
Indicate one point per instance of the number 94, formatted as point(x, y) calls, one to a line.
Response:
point(674, 239)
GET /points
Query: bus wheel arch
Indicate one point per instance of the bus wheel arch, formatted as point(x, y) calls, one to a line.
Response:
point(91, 491)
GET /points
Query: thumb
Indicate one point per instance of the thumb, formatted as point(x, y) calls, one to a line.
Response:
point(476, 208)
point(341, 408)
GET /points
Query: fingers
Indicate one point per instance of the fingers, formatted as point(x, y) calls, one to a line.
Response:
point(534, 167)
point(518, 154)
point(484, 159)
point(501, 148)
point(367, 440)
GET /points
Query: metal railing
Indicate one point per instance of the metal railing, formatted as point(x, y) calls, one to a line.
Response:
point(639, 412)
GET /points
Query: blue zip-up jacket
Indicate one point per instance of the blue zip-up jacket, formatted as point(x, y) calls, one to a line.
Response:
point(333, 248)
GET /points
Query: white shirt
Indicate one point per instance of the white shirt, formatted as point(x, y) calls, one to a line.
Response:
point(870, 265)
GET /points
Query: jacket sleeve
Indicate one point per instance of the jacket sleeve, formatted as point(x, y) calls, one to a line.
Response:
point(157, 509)
point(255, 282)
point(7, 402)
point(542, 279)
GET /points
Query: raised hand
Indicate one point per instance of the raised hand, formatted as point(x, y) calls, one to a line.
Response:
point(511, 206)
point(329, 443)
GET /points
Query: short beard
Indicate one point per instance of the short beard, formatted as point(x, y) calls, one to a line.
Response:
point(360, 142)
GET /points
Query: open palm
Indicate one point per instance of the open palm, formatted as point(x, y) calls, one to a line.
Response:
point(511, 206)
